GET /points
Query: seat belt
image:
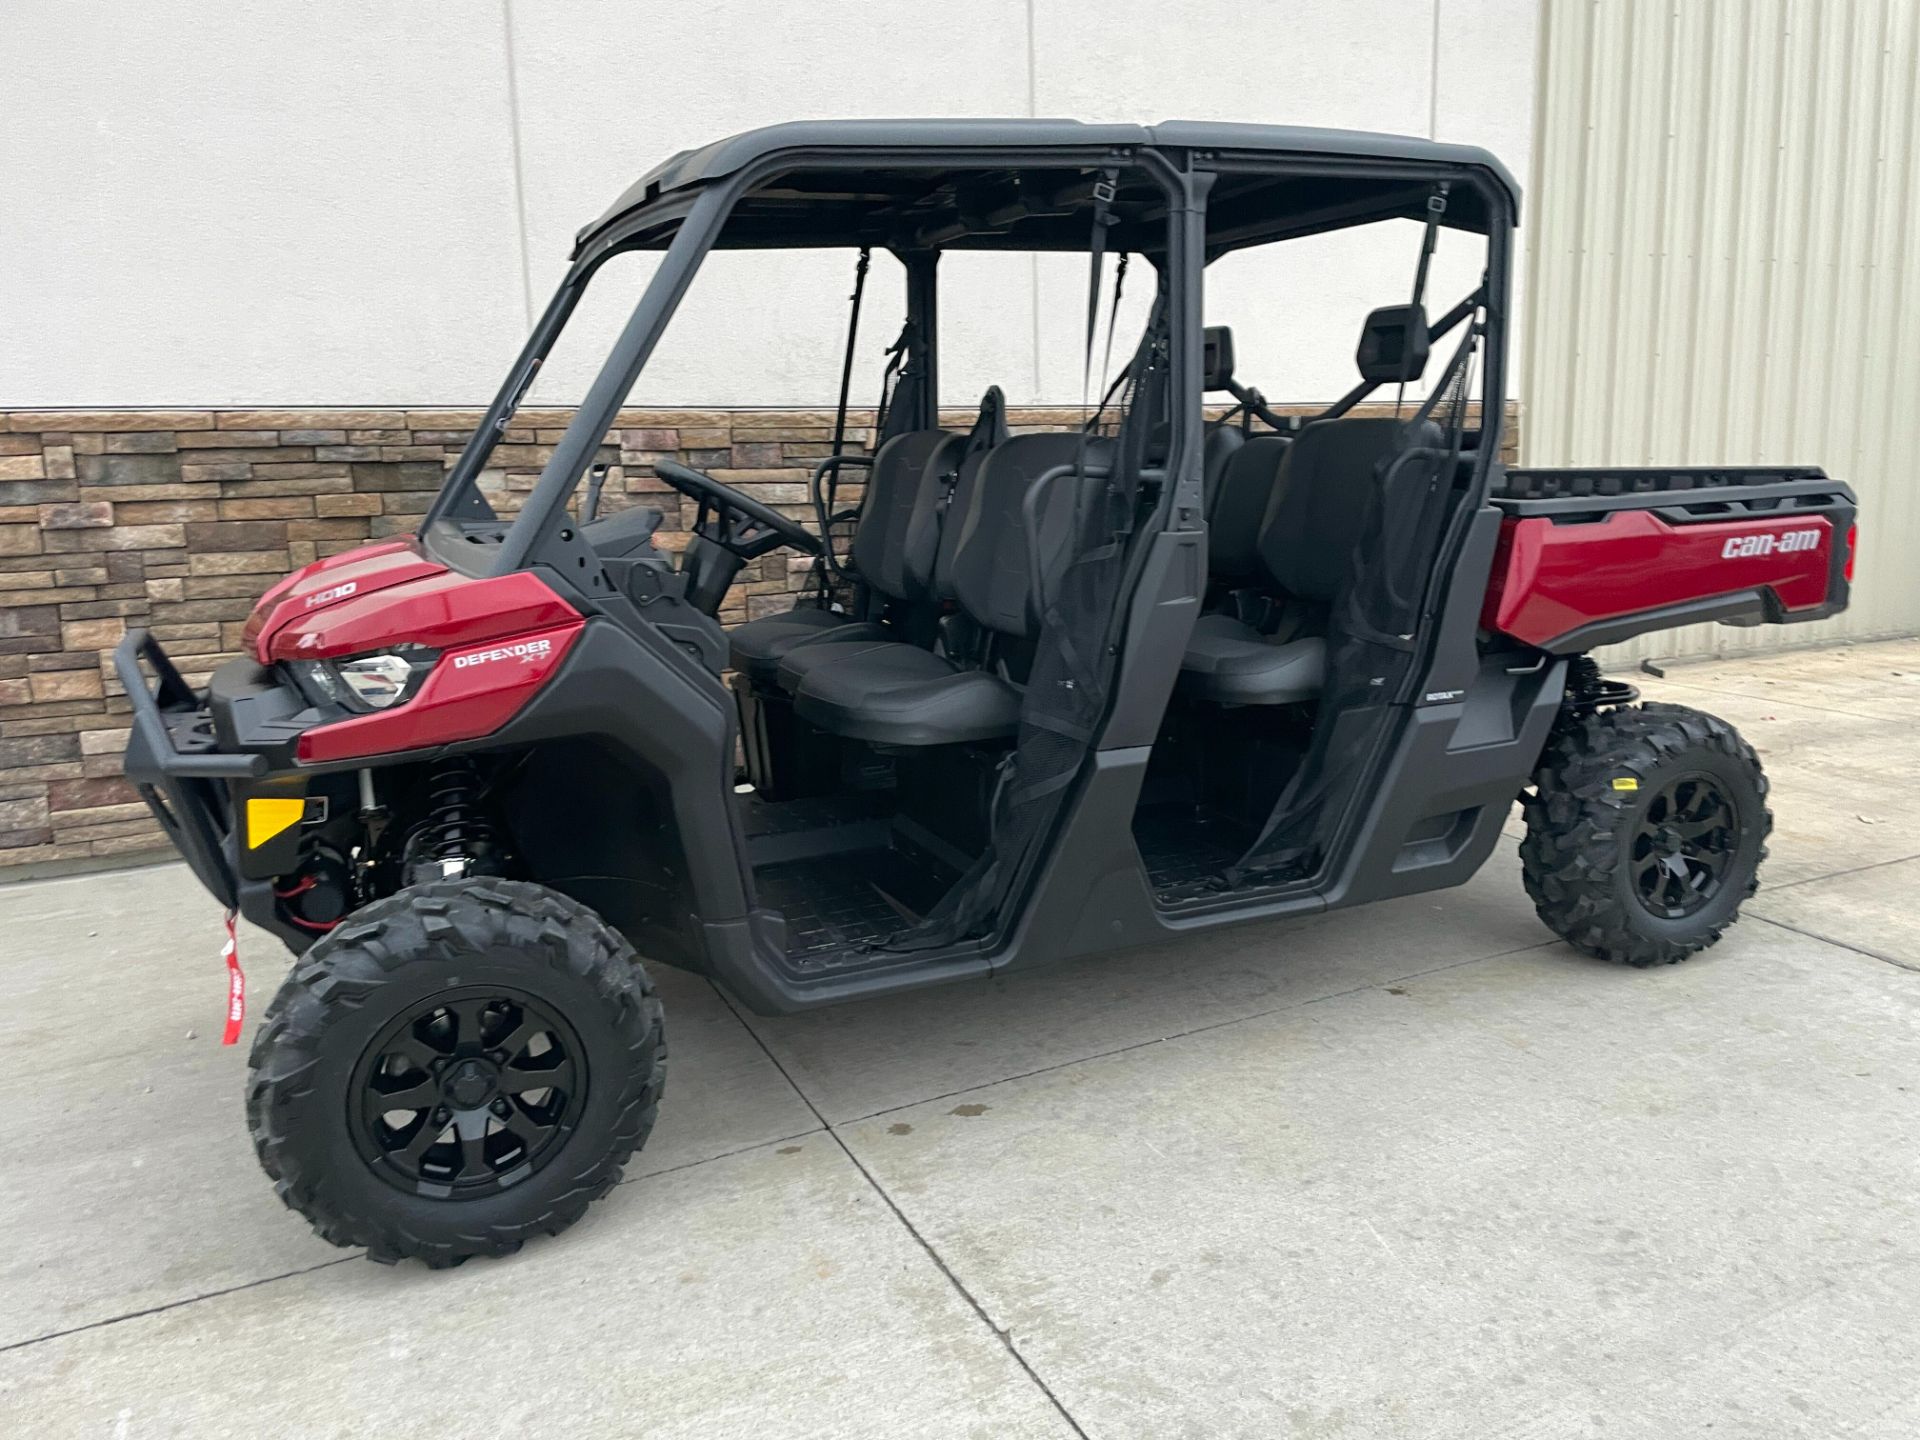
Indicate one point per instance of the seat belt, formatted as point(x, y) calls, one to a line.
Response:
point(825, 504)
point(1436, 208)
point(853, 335)
point(898, 371)
point(1106, 359)
point(1126, 374)
point(1104, 190)
point(988, 430)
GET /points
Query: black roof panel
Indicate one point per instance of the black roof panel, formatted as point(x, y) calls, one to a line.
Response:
point(724, 157)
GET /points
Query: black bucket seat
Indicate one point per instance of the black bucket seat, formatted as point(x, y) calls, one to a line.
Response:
point(1321, 489)
point(892, 550)
point(898, 694)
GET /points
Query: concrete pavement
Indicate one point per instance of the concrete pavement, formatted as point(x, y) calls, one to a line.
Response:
point(1414, 1170)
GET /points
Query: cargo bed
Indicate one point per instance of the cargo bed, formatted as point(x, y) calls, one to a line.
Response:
point(1591, 557)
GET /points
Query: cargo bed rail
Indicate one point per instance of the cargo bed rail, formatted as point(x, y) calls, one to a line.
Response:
point(1702, 492)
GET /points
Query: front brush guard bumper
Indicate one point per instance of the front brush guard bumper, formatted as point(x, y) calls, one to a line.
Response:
point(174, 761)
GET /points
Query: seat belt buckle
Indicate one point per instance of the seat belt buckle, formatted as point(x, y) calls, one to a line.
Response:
point(1104, 191)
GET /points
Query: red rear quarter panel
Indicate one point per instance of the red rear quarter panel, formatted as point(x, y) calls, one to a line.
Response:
point(1552, 579)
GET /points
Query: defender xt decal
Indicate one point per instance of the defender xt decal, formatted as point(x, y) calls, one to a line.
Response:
point(528, 650)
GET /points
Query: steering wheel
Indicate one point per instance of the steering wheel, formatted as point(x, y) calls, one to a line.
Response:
point(735, 522)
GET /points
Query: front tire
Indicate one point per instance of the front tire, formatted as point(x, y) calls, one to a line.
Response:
point(1645, 832)
point(455, 1068)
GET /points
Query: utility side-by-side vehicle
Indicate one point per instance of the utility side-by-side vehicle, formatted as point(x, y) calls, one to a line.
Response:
point(1053, 693)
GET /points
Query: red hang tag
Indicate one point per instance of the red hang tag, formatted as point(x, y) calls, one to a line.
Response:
point(236, 987)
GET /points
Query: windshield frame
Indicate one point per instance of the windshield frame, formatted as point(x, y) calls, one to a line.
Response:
point(543, 528)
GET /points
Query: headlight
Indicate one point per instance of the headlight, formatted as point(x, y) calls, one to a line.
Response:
point(364, 683)
point(377, 680)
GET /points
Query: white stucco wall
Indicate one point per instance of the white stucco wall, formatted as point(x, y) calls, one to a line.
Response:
point(356, 202)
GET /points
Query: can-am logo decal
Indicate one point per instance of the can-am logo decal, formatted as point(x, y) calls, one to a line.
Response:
point(1741, 547)
point(327, 597)
point(526, 650)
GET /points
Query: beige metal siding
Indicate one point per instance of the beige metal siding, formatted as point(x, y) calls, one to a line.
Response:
point(1723, 262)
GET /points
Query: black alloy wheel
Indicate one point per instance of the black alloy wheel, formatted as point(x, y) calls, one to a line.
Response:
point(456, 1068)
point(1682, 847)
point(1646, 829)
point(466, 1094)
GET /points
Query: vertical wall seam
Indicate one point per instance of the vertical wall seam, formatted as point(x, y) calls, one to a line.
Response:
point(1033, 261)
point(1661, 260)
point(1578, 155)
point(1534, 233)
point(519, 169)
point(1433, 77)
point(1702, 232)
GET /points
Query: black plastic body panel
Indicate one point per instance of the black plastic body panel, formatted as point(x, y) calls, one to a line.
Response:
point(1163, 610)
point(1456, 652)
point(1743, 607)
point(632, 692)
point(1462, 763)
point(253, 710)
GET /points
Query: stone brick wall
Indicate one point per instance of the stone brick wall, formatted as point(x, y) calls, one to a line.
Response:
point(176, 520)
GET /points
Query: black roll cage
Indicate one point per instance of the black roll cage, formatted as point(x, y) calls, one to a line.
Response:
point(686, 223)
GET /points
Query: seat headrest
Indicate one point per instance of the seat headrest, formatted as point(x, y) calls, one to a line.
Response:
point(1393, 344)
point(994, 561)
point(1216, 365)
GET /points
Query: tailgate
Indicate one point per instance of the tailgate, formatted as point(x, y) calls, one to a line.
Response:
point(1591, 557)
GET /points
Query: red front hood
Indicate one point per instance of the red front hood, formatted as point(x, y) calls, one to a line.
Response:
point(391, 593)
point(330, 581)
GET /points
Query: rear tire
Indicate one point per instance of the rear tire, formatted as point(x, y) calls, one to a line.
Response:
point(1645, 832)
point(455, 1068)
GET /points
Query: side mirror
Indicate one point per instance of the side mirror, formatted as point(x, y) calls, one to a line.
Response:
point(1393, 345)
point(1216, 362)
